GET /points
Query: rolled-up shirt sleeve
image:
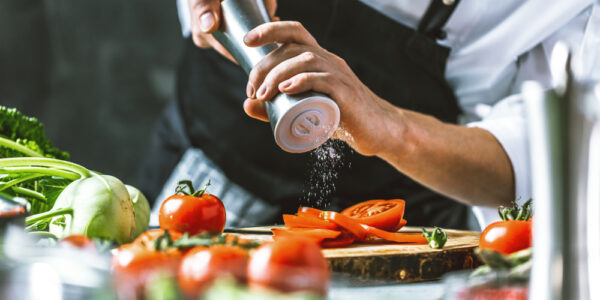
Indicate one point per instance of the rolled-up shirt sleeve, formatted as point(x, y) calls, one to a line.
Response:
point(507, 122)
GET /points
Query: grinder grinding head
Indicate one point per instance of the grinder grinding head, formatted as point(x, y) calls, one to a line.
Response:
point(307, 124)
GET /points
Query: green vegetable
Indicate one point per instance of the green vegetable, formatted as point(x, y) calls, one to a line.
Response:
point(437, 238)
point(64, 198)
point(95, 205)
point(141, 208)
point(517, 265)
point(21, 135)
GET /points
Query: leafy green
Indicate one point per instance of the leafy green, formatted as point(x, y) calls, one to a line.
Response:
point(27, 132)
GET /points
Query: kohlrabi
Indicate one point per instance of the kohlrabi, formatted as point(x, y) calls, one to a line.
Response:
point(91, 204)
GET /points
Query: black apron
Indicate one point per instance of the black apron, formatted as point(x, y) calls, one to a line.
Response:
point(401, 65)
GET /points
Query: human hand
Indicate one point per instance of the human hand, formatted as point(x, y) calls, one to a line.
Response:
point(205, 16)
point(300, 65)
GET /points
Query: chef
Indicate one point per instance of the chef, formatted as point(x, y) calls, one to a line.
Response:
point(428, 92)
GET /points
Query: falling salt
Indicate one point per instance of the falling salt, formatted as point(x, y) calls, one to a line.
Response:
point(326, 165)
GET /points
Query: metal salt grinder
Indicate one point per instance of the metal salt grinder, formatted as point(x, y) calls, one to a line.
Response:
point(564, 133)
point(300, 122)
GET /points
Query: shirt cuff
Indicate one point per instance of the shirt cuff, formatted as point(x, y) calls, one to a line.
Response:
point(507, 122)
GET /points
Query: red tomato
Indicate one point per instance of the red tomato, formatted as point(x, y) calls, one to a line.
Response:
point(506, 236)
point(398, 237)
point(134, 264)
point(202, 265)
point(382, 214)
point(307, 221)
point(343, 240)
point(309, 211)
point(348, 223)
point(191, 214)
point(289, 264)
point(315, 234)
point(78, 241)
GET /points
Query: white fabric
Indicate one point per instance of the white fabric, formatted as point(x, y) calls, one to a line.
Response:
point(495, 46)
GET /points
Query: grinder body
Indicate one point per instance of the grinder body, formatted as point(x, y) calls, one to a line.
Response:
point(300, 122)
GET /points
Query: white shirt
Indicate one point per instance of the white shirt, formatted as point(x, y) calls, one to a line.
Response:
point(495, 46)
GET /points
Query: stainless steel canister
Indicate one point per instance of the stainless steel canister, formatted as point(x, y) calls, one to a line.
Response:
point(299, 122)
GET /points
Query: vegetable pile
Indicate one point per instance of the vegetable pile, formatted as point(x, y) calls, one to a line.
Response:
point(191, 247)
point(64, 198)
point(370, 221)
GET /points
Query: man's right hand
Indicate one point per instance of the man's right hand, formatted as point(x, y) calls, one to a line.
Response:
point(205, 16)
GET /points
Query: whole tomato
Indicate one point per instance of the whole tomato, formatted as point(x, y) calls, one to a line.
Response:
point(78, 241)
point(289, 264)
point(511, 234)
point(134, 264)
point(506, 236)
point(192, 212)
point(201, 265)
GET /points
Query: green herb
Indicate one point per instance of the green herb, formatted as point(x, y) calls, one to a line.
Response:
point(437, 238)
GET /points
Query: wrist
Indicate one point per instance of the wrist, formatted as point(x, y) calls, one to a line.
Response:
point(399, 140)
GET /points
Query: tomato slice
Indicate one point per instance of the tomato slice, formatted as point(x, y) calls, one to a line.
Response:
point(307, 221)
point(382, 214)
point(400, 225)
point(315, 234)
point(343, 240)
point(347, 223)
point(304, 210)
point(398, 237)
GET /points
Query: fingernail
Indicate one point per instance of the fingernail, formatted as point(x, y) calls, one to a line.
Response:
point(207, 20)
point(286, 84)
point(249, 37)
point(262, 91)
point(250, 90)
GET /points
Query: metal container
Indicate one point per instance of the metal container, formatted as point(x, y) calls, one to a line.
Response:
point(564, 148)
point(301, 122)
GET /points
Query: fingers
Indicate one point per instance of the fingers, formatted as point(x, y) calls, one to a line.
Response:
point(323, 82)
point(256, 109)
point(205, 15)
point(283, 32)
point(278, 67)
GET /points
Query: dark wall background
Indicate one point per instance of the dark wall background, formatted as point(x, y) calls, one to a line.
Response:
point(96, 73)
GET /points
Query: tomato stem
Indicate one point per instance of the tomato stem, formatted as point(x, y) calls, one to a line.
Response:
point(201, 192)
point(187, 184)
point(516, 212)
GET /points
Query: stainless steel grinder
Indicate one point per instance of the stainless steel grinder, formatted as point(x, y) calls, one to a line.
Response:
point(300, 122)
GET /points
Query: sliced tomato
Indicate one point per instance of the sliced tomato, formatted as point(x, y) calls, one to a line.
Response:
point(347, 223)
point(307, 221)
point(398, 237)
point(315, 234)
point(382, 214)
point(304, 210)
point(400, 225)
point(345, 239)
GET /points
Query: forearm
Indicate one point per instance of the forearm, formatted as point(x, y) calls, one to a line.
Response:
point(467, 164)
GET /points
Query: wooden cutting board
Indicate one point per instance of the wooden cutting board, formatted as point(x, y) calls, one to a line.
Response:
point(399, 262)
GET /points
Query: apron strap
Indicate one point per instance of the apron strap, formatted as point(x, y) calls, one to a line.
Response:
point(435, 18)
